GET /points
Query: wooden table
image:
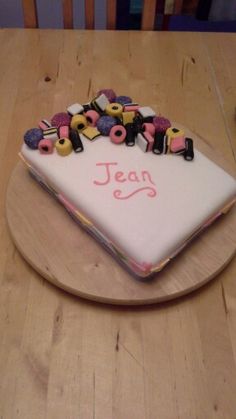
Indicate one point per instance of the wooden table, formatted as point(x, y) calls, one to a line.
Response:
point(65, 358)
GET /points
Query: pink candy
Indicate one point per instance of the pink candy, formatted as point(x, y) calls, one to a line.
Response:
point(150, 140)
point(45, 146)
point(92, 117)
point(177, 145)
point(64, 131)
point(131, 107)
point(117, 134)
point(148, 127)
point(44, 124)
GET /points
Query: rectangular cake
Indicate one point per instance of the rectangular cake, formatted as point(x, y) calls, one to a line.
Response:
point(142, 207)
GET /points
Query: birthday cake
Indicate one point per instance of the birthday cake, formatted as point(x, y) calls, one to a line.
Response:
point(129, 177)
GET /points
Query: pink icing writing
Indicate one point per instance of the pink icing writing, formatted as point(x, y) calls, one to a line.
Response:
point(110, 176)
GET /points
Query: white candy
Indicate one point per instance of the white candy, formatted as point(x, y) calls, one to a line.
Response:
point(146, 111)
point(50, 134)
point(53, 136)
point(142, 142)
point(102, 102)
point(75, 109)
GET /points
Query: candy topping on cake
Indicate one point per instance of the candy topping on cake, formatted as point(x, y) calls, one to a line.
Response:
point(109, 115)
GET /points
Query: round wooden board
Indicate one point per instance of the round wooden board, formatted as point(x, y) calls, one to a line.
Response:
point(69, 258)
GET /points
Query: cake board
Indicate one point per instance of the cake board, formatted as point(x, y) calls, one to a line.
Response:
point(69, 258)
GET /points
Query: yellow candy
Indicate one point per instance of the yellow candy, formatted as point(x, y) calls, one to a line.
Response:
point(174, 133)
point(91, 133)
point(114, 109)
point(79, 122)
point(63, 146)
point(128, 117)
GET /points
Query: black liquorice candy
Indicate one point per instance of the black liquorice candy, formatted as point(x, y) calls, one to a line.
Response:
point(159, 143)
point(76, 141)
point(137, 124)
point(189, 153)
point(87, 107)
point(130, 135)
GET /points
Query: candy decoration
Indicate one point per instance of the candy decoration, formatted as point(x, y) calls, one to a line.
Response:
point(78, 122)
point(87, 107)
point(105, 124)
point(109, 93)
point(100, 103)
point(128, 117)
point(130, 135)
point(50, 133)
point(118, 134)
point(75, 109)
point(123, 100)
point(137, 123)
point(174, 133)
point(44, 124)
point(45, 146)
point(108, 114)
point(92, 117)
point(159, 143)
point(63, 146)
point(146, 113)
point(189, 153)
point(76, 141)
point(148, 127)
point(161, 124)
point(64, 131)
point(91, 133)
point(145, 141)
point(114, 109)
point(131, 107)
point(177, 145)
point(32, 138)
point(59, 119)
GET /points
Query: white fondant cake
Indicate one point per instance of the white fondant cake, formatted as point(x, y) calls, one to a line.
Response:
point(144, 207)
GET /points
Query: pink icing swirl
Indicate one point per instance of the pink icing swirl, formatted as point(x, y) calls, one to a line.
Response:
point(151, 193)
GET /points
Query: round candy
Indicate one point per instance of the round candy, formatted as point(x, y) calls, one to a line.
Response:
point(123, 100)
point(105, 124)
point(114, 109)
point(109, 93)
point(45, 146)
point(78, 122)
point(118, 134)
point(60, 119)
point(32, 137)
point(92, 117)
point(63, 146)
point(148, 127)
point(161, 124)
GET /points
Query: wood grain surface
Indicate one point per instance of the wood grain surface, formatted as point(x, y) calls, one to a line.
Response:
point(62, 357)
point(82, 267)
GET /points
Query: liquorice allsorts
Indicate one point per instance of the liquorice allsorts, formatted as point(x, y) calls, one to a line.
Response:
point(76, 141)
point(110, 115)
point(32, 138)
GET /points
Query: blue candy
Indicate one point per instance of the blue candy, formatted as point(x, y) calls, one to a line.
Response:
point(122, 100)
point(105, 124)
point(32, 137)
